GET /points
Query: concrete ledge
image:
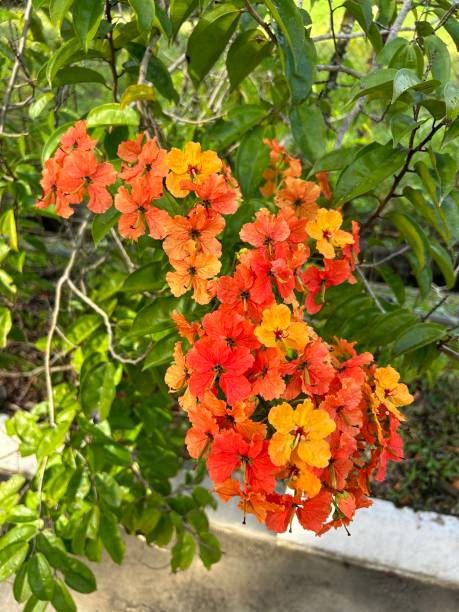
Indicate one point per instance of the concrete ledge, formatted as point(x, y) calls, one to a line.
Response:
point(420, 544)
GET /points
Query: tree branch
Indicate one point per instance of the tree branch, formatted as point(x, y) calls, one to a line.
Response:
point(249, 8)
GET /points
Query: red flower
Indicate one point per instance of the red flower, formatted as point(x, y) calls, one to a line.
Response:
point(315, 511)
point(237, 292)
point(75, 137)
point(83, 169)
point(149, 163)
point(202, 432)
point(311, 373)
point(215, 194)
point(53, 192)
point(266, 231)
point(234, 329)
point(230, 451)
point(212, 359)
point(336, 271)
point(266, 375)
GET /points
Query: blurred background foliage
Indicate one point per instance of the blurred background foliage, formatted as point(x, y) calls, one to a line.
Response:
point(364, 90)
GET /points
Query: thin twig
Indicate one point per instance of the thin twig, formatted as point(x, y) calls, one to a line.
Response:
point(54, 319)
point(370, 291)
point(339, 68)
point(249, 8)
point(107, 324)
point(16, 66)
point(173, 67)
point(124, 254)
point(111, 46)
point(34, 372)
point(193, 121)
point(447, 350)
point(384, 260)
point(397, 25)
point(435, 307)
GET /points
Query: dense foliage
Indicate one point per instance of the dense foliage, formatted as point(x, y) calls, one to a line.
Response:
point(85, 321)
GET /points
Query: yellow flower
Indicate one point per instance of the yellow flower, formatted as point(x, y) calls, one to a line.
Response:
point(304, 480)
point(325, 229)
point(303, 430)
point(278, 330)
point(190, 164)
point(390, 392)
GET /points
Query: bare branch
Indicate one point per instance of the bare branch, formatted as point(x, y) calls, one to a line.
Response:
point(370, 291)
point(398, 23)
point(107, 324)
point(339, 68)
point(127, 260)
point(384, 260)
point(54, 319)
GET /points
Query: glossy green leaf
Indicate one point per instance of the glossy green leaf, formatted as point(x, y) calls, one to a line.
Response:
point(246, 52)
point(145, 13)
point(419, 334)
point(112, 114)
point(98, 390)
point(11, 559)
point(87, 15)
point(155, 317)
point(6, 324)
point(414, 235)
point(62, 601)
point(297, 51)
point(161, 352)
point(209, 549)
point(61, 58)
point(108, 489)
point(239, 120)
point(20, 533)
point(40, 577)
point(133, 93)
point(183, 552)
point(21, 587)
point(404, 80)
point(58, 9)
point(444, 261)
point(362, 11)
point(309, 130)
point(373, 165)
point(251, 161)
point(159, 75)
point(146, 278)
point(103, 223)
point(111, 537)
point(35, 605)
point(209, 38)
point(451, 93)
point(39, 104)
point(77, 575)
point(439, 60)
point(77, 74)
point(179, 11)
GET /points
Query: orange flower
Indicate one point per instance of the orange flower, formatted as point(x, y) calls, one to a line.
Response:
point(302, 479)
point(177, 373)
point(193, 272)
point(75, 137)
point(136, 209)
point(200, 228)
point(82, 168)
point(215, 194)
point(278, 330)
point(53, 193)
point(303, 430)
point(325, 229)
point(148, 162)
point(185, 329)
point(390, 392)
point(299, 195)
point(190, 164)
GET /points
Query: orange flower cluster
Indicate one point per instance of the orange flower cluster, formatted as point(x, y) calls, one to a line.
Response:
point(288, 423)
point(190, 241)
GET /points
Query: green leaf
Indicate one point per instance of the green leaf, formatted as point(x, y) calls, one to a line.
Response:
point(145, 13)
point(8, 228)
point(103, 223)
point(155, 317)
point(297, 51)
point(400, 126)
point(77, 74)
point(39, 104)
point(112, 114)
point(61, 58)
point(161, 352)
point(209, 38)
point(133, 93)
point(159, 75)
point(108, 489)
point(239, 120)
point(40, 577)
point(98, 390)
point(378, 84)
point(414, 235)
point(77, 575)
point(403, 81)
point(11, 559)
point(111, 537)
point(146, 278)
point(5, 325)
point(179, 11)
point(20, 533)
point(451, 93)
point(183, 551)
point(309, 130)
point(53, 140)
point(209, 549)
point(62, 600)
point(374, 163)
point(251, 161)
point(444, 261)
point(362, 11)
point(58, 9)
point(335, 160)
point(439, 60)
point(21, 587)
point(35, 605)
point(419, 334)
point(246, 52)
point(87, 15)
